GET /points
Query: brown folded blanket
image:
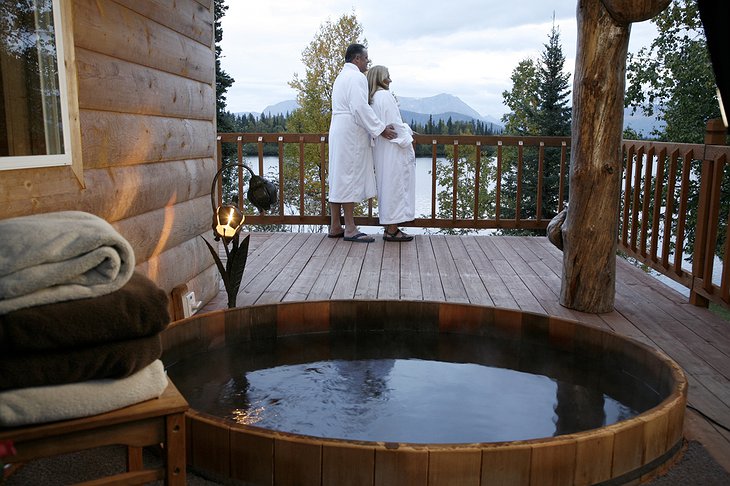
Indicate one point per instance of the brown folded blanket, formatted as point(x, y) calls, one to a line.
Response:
point(138, 309)
point(58, 367)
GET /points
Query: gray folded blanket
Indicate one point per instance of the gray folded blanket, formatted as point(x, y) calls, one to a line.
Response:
point(138, 309)
point(53, 257)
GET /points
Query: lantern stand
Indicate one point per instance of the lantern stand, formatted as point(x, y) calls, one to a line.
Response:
point(227, 223)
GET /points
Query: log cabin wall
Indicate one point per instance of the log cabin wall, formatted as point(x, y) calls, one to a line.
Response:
point(146, 97)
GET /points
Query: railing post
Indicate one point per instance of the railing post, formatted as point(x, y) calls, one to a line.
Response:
point(707, 214)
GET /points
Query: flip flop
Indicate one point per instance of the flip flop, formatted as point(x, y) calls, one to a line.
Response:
point(336, 235)
point(358, 238)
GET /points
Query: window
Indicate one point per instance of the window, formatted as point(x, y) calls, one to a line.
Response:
point(36, 104)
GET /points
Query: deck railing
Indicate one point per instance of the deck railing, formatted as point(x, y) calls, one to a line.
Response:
point(527, 153)
point(671, 193)
point(674, 194)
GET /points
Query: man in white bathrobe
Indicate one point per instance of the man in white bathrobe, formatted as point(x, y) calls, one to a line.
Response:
point(351, 170)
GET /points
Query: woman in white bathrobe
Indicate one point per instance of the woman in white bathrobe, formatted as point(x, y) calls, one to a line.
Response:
point(395, 160)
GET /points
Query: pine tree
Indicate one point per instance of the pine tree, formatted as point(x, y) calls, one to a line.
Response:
point(553, 116)
point(539, 102)
point(222, 80)
point(553, 90)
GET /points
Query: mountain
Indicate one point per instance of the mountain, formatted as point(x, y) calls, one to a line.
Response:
point(642, 125)
point(281, 108)
point(444, 106)
point(411, 117)
point(440, 107)
point(441, 103)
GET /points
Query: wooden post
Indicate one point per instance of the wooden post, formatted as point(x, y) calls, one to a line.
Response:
point(591, 227)
point(707, 213)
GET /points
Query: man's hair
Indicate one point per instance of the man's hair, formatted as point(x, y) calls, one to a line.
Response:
point(353, 50)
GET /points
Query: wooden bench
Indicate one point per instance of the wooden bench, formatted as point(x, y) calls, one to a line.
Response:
point(153, 422)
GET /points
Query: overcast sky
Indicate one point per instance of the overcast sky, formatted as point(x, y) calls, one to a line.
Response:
point(467, 48)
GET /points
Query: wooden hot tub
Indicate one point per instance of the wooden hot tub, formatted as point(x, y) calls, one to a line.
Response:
point(620, 453)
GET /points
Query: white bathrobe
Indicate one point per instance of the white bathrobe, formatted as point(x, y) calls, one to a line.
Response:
point(395, 164)
point(351, 173)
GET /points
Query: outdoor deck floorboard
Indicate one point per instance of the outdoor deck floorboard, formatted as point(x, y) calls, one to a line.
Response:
point(504, 271)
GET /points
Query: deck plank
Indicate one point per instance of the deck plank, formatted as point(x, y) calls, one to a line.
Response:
point(410, 277)
point(259, 279)
point(324, 285)
point(474, 287)
point(521, 293)
point(313, 268)
point(278, 288)
point(350, 274)
point(454, 290)
point(430, 279)
point(369, 281)
point(493, 283)
point(265, 252)
point(389, 287)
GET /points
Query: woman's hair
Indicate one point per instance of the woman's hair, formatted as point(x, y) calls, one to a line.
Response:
point(376, 75)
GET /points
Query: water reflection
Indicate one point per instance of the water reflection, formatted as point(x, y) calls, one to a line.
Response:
point(409, 387)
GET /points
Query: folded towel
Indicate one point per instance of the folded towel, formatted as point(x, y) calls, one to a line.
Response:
point(58, 367)
point(62, 402)
point(138, 309)
point(52, 257)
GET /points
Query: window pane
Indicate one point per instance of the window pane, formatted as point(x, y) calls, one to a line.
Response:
point(30, 106)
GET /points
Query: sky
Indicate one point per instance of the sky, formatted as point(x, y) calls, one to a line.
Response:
point(467, 48)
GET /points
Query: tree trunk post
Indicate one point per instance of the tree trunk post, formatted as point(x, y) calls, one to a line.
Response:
point(590, 230)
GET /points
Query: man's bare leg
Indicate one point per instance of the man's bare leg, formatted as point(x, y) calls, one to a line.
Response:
point(352, 232)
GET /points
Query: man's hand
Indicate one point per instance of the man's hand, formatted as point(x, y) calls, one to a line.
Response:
point(389, 132)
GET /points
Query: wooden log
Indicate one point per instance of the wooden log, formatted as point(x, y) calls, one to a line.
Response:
point(555, 229)
point(107, 83)
point(122, 33)
point(110, 194)
point(207, 284)
point(152, 233)
point(627, 11)
point(198, 271)
point(114, 139)
point(188, 17)
point(591, 227)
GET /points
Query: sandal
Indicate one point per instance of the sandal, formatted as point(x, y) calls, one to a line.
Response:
point(388, 236)
point(359, 238)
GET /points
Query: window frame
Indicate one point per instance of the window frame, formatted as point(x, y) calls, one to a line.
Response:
point(68, 88)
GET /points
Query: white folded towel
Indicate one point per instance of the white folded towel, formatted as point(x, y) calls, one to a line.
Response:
point(26, 406)
point(53, 257)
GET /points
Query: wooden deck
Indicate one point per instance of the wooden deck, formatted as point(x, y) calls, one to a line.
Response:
point(512, 272)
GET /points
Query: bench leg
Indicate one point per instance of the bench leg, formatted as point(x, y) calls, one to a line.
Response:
point(134, 459)
point(175, 450)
